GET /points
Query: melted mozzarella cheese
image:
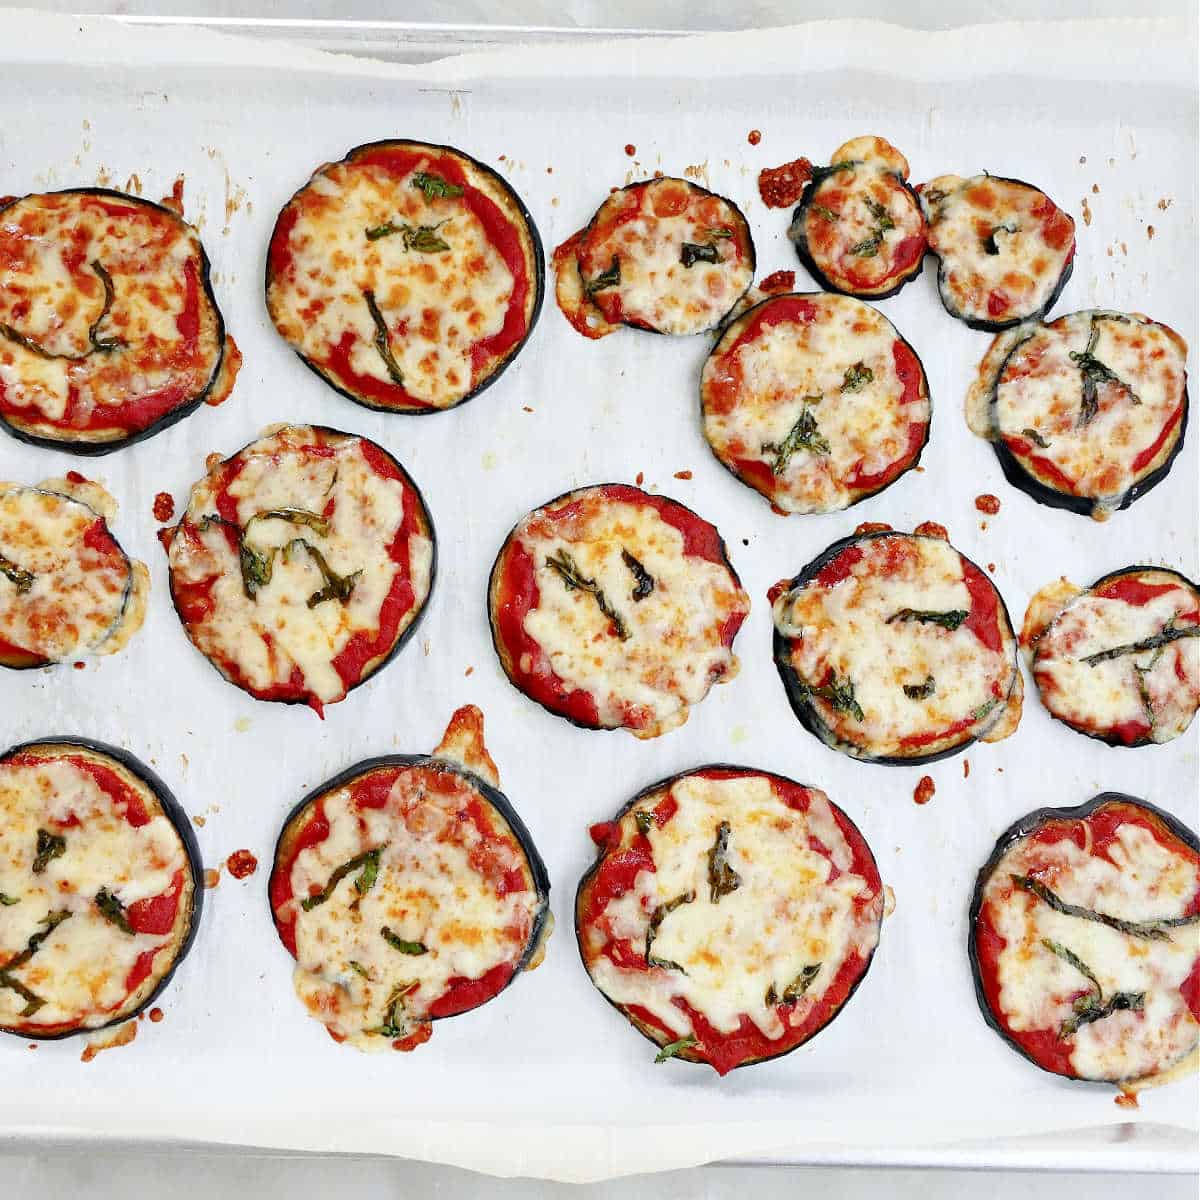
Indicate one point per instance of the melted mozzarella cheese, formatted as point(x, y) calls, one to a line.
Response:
point(991, 238)
point(655, 288)
point(52, 295)
point(1145, 881)
point(674, 652)
point(786, 914)
point(78, 596)
point(790, 367)
point(429, 890)
point(437, 303)
point(80, 970)
point(1158, 688)
point(844, 628)
point(275, 632)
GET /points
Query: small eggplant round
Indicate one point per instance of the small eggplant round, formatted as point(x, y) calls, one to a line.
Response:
point(492, 796)
point(1018, 830)
point(90, 449)
point(174, 813)
point(537, 278)
point(801, 702)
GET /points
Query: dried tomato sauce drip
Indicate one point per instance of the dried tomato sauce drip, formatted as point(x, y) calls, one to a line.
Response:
point(164, 506)
point(241, 864)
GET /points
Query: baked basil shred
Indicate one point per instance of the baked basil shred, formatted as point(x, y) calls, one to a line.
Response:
point(657, 917)
point(722, 878)
point(393, 1024)
point(50, 922)
point(1155, 930)
point(21, 579)
point(1093, 1006)
point(382, 340)
point(337, 587)
point(49, 845)
point(396, 942)
point(422, 238)
point(368, 861)
point(805, 434)
point(1095, 372)
point(676, 1048)
point(950, 620)
point(113, 911)
point(97, 344)
point(826, 214)
point(643, 580)
point(794, 990)
point(434, 187)
point(838, 693)
point(564, 566)
point(1036, 438)
point(691, 253)
point(857, 377)
point(643, 820)
point(920, 691)
point(1164, 637)
point(605, 279)
point(8, 901)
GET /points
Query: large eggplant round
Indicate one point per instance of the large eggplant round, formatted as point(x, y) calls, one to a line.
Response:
point(191, 892)
point(1081, 828)
point(626, 952)
point(143, 383)
point(452, 202)
point(992, 719)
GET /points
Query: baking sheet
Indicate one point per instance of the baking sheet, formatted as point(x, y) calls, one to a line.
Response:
point(548, 1079)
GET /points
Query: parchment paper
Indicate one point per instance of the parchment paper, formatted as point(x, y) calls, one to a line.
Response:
point(548, 1080)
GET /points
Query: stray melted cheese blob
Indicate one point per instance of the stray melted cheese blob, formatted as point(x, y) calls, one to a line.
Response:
point(1151, 694)
point(1137, 878)
point(66, 587)
point(1003, 247)
point(676, 647)
point(261, 642)
point(80, 970)
point(1094, 440)
point(794, 908)
point(863, 628)
point(826, 360)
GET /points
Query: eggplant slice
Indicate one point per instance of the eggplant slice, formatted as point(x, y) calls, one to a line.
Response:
point(103, 946)
point(631, 595)
point(1085, 413)
point(1101, 906)
point(94, 367)
point(325, 541)
point(1120, 660)
point(67, 589)
point(815, 401)
point(682, 872)
point(664, 255)
point(839, 663)
point(429, 837)
point(859, 228)
point(1005, 250)
point(408, 276)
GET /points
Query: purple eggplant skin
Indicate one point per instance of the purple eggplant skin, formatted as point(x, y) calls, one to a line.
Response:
point(404, 638)
point(494, 580)
point(182, 826)
point(537, 279)
point(1022, 828)
point(741, 217)
point(800, 240)
point(494, 797)
point(984, 326)
point(98, 449)
point(1109, 739)
point(801, 703)
point(640, 799)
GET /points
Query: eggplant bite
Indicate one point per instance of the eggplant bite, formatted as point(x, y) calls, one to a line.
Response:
point(859, 228)
point(815, 401)
point(1085, 413)
point(663, 255)
point(616, 609)
point(1005, 250)
point(1120, 660)
point(99, 887)
point(407, 275)
point(302, 564)
point(895, 648)
point(407, 889)
point(1085, 941)
point(729, 915)
point(109, 330)
point(67, 589)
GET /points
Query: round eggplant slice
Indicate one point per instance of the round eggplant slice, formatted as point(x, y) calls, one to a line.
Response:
point(1085, 413)
point(1005, 250)
point(67, 589)
point(859, 228)
point(665, 255)
point(1119, 661)
point(302, 564)
point(1085, 941)
point(407, 275)
point(407, 889)
point(99, 883)
point(815, 401)
point(616, 609)
point(729, 915)
point(109, 330)
point(895, 648)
